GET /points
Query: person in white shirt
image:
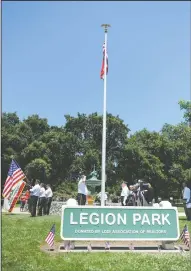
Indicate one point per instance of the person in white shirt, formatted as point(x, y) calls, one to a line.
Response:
point(124, 194)
point(42, 201)
point(187, 201)
point(82, 191)
point(35, 192)
point(99, 196)
point(49, 195)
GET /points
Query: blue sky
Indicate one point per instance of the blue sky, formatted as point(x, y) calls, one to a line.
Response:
point(52, 53)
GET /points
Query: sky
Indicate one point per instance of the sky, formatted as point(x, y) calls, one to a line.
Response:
point(52, 55)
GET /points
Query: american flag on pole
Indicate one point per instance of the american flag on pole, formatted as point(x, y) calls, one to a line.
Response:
point(50, 237)
point(103, 63)
point(185, 236)
point(15, 175)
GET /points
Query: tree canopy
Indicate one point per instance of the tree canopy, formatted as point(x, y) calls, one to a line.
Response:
point(56, 155)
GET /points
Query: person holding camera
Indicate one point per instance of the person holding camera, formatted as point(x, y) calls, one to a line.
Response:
point(149, 194)
point(140, 193)
point(131, 200)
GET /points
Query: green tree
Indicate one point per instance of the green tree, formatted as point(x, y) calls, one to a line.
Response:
point(38, 169)
point(37, 125)
point(186, 107)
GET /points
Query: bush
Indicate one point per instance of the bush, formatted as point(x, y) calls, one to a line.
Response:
point(65, 191)
point(114, 198)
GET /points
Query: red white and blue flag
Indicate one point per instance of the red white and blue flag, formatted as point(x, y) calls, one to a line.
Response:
point(185, 236)
point(103, 63)
point(50, 238)
point(15, 175)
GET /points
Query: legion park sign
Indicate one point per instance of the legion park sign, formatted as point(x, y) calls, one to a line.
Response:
point(119, 223)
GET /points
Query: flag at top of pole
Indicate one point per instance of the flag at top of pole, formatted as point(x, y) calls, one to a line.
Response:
point(103, 63)
point(104, 71)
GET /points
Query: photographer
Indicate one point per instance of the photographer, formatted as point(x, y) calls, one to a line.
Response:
point(149, 194)
point(132, 196)
point(144, 193)
point(139, 193)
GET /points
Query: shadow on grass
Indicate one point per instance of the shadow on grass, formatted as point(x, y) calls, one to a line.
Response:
point(183, 218)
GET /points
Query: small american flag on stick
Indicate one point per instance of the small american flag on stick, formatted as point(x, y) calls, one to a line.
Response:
point(50, 238)
point(107, 246)
point(185, 236)
point(15, 174)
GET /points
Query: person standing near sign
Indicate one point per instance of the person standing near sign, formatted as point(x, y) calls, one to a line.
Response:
point(124, 194)
point(42, 201)
point(34, 197)
point(187, 201)
point(49, 195)
point(82, 191)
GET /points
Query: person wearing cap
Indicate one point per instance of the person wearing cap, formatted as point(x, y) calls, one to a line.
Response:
point(124, 194)
point(82, 191)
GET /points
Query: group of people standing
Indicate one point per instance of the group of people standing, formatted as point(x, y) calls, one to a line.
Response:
point(140, 194)
point(40, 199)
point(137, 195)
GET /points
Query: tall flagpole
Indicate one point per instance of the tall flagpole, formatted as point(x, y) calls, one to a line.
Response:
point(103, 173)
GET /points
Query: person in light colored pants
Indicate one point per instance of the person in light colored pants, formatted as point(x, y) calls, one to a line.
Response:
point(124, 194)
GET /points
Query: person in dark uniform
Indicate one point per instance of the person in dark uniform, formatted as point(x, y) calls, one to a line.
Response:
point(42, 201)
point(149, 194)
point(34, 197)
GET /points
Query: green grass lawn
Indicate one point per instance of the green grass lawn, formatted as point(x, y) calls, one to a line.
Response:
point(22, 237)
point(180, 209)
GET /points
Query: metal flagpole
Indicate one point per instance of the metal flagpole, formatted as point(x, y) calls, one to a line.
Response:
point(103, 173)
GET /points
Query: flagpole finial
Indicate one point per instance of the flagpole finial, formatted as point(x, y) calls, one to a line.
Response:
point(105, 26)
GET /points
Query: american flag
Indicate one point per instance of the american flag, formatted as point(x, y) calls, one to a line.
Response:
point(102, 67)
point(50, 238)
point(15, 174)
point(107, 245)
point(185, 236)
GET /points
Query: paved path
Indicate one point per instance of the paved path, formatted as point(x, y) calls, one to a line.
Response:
point(181, 214)
point(16, 210)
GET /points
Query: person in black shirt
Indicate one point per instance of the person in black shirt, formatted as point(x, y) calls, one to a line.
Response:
point(149, 194)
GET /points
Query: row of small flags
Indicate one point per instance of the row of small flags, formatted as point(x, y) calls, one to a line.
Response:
point(15, 175)
point(185, 237)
